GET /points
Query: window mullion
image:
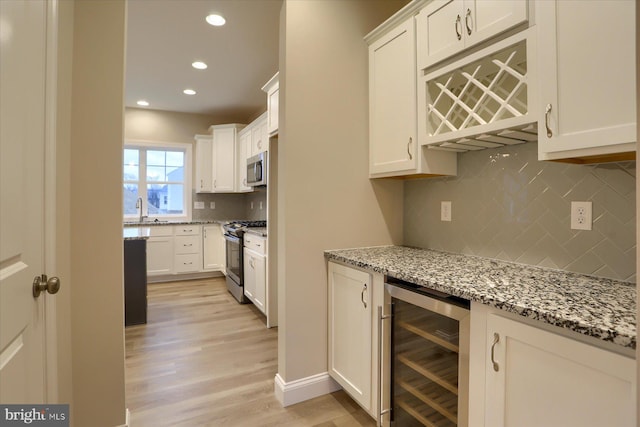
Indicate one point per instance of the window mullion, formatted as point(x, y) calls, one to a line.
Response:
point(142, 181)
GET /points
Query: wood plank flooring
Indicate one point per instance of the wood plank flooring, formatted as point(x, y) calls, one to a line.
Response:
point(202, 359)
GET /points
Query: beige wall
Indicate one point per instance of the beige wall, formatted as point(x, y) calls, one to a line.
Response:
point(325, 199)
point(63, 202)
point(96, 248)
point(165, 126)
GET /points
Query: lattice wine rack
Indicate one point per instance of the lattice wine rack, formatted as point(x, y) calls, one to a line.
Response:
point(481, 104)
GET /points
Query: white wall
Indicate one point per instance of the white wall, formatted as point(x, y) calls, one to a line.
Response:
point(165, 126)
point(325, 199)
point(96, 248)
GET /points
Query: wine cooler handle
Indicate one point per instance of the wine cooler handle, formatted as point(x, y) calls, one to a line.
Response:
point(496, 340)
point(381, 411)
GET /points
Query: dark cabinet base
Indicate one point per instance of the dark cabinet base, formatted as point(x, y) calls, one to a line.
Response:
point(135, 282)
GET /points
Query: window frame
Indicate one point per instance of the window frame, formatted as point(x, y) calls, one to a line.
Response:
point(142, 181)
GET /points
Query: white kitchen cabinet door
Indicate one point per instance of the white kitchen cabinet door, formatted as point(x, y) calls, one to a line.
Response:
point(204, 164)
point(259, 136)
point(211, 248)
point(255, 278)
point(446, 27)
point(393, 145)
point(224, 158)
point(244, 152)
point(587, 78)
point(540, 378)
point(350, 332)
point(272, 88)
point(160, 255)
point(484, 19)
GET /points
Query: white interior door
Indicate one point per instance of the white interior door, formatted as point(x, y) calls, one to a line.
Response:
point(22, 142)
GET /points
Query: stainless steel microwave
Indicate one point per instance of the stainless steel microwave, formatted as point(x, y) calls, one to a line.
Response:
point(257, 170)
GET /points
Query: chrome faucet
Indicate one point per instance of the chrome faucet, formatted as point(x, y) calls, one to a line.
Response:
point(139, 206)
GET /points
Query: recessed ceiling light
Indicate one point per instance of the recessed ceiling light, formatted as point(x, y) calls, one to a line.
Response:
point(142, 103)
point(199, 65)
point(216, 20)
point(189, 92)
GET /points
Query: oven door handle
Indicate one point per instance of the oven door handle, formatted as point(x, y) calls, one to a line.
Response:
point(231, 238)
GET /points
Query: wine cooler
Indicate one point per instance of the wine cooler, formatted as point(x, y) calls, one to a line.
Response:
point(429, 357)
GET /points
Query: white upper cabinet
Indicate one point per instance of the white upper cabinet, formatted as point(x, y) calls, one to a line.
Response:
point(393, 143)
point(446, 27)
point(244, 151)
point(587, 80)
point(204, 164)
point(272, 88)
point(259, 135)
point(224, 157)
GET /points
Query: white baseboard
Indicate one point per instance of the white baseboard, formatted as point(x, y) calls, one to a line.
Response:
point(127, 416)
point(290, 393)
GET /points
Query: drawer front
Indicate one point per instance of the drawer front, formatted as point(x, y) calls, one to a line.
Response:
point(160, 230)
point(187, 263)
point(255, 243)
point(187, 244)
point(187, 230)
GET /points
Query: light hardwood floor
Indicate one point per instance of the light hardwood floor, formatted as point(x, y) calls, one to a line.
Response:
point(205, 360)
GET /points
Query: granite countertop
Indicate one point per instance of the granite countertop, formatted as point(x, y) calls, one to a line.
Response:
point(601, 308)
point(153, 223)
point(258, 231)
point(135, 233)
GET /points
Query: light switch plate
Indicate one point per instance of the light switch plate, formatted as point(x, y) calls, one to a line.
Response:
point(198, 205)
point(445, 211)
point(212, 205)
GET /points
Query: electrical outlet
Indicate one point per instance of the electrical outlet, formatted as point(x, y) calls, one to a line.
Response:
point(260, 205)
point(581, 215)
point(251, 205)
point(212, 205)
point(198, 205)
point(445, 211)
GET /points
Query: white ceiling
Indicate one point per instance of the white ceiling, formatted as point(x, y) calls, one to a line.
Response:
point(165, 36)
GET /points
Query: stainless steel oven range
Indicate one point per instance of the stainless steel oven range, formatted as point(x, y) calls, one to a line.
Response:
point(233, 234)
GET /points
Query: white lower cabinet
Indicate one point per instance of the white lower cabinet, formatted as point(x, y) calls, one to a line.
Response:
point(354, 296)
point(534, 377)
point(213, 256)
point(255, 270)
point(160, 251)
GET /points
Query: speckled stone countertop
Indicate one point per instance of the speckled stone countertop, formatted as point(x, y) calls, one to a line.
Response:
point(601, 308)
point(153, 223)
point(258, 231)
point(135, 233)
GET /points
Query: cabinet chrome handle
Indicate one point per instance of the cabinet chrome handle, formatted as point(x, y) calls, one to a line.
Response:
point(466, 21)
point(205, 233)
point(458, 24)
point(188, 245)
point(244, 182)
point(215, 182)
point(496, 340)
point(381, 411)
point(547, 113)
point(201, 184)
point(364, 289)
point(252, 263)
point(409, 148)
point(259, 144)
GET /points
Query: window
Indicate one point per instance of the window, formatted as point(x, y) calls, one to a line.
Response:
point(159, 175)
